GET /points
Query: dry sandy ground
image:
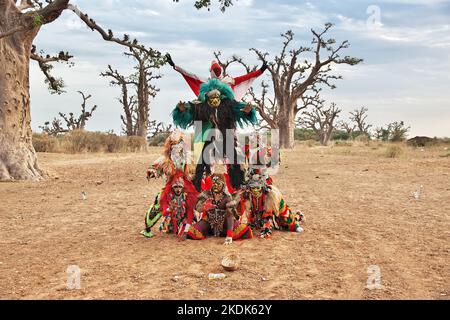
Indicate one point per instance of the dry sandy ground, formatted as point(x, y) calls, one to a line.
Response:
point(359, 213)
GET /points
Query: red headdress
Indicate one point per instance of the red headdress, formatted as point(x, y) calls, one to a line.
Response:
point(216, 65)
point(189, 190)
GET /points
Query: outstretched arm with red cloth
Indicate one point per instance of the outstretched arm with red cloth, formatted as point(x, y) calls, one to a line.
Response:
point(251, 75)
point(243, 83)
point(192, 80)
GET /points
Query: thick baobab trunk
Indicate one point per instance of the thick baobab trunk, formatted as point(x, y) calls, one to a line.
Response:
point(17, 155)
point(286, 125)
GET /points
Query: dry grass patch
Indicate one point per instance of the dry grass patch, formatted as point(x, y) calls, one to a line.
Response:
point(393, 151)
point(79, 141)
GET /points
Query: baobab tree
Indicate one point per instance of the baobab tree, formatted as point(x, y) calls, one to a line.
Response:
point(137, 107)
point(127, 100)
point(296, 81)
point(321, 120)
point(20, 23)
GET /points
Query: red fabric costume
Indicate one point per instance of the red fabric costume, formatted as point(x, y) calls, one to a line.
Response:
point(239, 85)
point(188, 202)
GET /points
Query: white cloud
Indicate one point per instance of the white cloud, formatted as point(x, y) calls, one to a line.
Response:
point(415, 2)
point(148, 12)
point(74, 23)
point(430, 35)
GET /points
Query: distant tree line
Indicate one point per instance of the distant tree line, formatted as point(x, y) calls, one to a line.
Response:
point(321, 124)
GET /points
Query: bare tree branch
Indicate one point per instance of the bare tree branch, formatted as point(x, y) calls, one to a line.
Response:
point(233, 59)
point(359, 116)
point(109, 35)
point(56, 85)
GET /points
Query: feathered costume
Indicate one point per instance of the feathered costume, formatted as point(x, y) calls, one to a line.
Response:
point(216, 108)
point(175, 157)
point(178, 210)
point(173, 163)
point(266, 208)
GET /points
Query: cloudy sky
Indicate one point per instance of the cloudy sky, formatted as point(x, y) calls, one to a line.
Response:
point(405, 45)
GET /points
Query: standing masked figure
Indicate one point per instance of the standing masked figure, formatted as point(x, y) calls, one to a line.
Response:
point(219, 214)
point(239, 85)
point(267, 209)
point(217, 111)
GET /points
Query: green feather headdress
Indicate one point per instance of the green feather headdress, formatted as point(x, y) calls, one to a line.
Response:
point(215, 84)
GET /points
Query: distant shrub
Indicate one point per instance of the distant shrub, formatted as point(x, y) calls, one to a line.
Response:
point(312, 143)
point(136, 144)
point(343, 143)
point(363, 138)
point(43, 142)
point(79, 141)
point(305, 134)
point(393, 151)
point(340, 135)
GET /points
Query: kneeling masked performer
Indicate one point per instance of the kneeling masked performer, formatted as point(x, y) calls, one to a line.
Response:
point(267, 209)
point(177, 201)
point(218, 214)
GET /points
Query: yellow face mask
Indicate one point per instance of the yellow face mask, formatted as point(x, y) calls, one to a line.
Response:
point(214, 102)
point(213, 97)
point(256, 192)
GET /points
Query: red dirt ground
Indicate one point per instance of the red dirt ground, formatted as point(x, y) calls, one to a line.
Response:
point(359, 212)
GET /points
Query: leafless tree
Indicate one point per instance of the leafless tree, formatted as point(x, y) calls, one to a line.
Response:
point(137, 106)
point(296, 81)
point(347, 127)
point(234, 59)
point(127, 100)
point(71, 121)
point(54, 128)
point(20, 23)
point(321, 120)
point(156, 128)
point(147, 63)
point(359, 117)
